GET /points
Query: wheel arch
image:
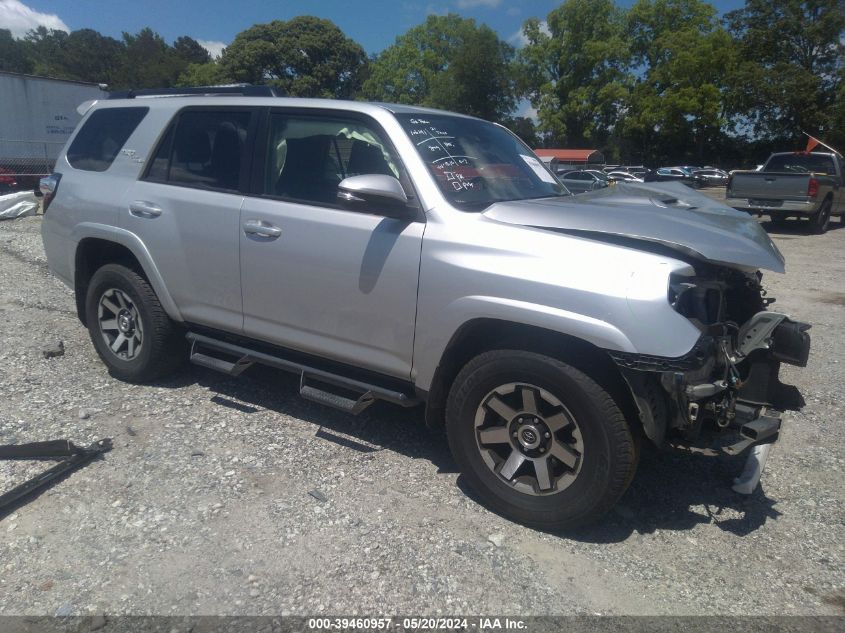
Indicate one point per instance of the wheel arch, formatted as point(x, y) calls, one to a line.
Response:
point(108, 245)
point(486, 334)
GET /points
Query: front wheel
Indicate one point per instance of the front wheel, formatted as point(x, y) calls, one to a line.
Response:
point(130, 330)
point(538, 440)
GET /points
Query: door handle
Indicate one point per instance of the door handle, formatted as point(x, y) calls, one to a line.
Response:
point(257, 227)
point(144, 209)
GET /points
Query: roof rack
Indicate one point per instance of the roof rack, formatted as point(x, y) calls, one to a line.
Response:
point(246, 90)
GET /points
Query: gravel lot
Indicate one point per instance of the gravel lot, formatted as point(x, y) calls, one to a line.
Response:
point(203, 506)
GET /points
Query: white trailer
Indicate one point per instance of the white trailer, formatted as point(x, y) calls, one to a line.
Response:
point(37, 115)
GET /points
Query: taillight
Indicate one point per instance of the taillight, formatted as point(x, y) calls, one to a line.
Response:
point(813, 188)
point(48, 186)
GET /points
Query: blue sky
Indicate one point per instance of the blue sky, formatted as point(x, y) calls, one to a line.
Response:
point(373, 23)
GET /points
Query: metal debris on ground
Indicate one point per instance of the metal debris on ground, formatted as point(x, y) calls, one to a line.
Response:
point(77, 456)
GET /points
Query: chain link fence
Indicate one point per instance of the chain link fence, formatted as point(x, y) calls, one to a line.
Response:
point(22, 159)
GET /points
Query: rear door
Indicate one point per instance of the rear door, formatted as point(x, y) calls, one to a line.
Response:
point(186, 210)
point(317, 276)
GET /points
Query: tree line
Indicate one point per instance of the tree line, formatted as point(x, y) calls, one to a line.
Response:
point(664, 81)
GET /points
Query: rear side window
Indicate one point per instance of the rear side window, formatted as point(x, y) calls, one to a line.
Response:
point(102, 137)
point(205, 149)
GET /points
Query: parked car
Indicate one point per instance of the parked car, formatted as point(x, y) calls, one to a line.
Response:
point(623, 176)
point(678, 174)
point(597, 173)
point(8, 182)
point(423, 258)
point(579, 181)
point(792, 185)
point(711, 177)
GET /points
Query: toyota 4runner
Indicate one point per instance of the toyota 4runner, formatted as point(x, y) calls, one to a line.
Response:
point(425, 258)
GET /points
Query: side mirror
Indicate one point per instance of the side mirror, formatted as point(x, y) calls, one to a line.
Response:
point(376, 193)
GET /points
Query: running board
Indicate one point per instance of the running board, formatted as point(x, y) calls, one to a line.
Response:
point(207, 351)
point(335, 400)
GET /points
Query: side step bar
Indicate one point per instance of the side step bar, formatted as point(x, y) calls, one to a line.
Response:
point(207, 351)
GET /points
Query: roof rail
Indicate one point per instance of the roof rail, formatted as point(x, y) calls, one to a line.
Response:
point(246, 90)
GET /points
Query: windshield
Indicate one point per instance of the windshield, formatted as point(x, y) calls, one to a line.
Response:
point(801, 163)
point(476, 163)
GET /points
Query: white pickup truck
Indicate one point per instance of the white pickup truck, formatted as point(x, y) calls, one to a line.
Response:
point(792, 184)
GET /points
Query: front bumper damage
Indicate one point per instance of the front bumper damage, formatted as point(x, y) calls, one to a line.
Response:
point(726, 391)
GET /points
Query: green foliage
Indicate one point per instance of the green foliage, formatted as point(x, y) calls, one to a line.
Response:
point(190, 51)
point(13, 54)
point(45, 50)
point(447, 62)
point(664, 81)
point(305, 56)
point(525, 129)
point(677, 99)
point(208, 74)
point(576, 71)
point(78, 62)
point(790, 76)
point(147, 61)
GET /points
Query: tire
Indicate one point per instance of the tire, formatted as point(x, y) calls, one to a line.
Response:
point(821, 219)
point(578, 419)
point(153, 345)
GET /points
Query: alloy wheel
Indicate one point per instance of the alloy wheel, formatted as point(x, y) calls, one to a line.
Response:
point(529, 439)
point(120, 324)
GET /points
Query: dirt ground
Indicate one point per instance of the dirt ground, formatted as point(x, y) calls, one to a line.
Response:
point(205, 507)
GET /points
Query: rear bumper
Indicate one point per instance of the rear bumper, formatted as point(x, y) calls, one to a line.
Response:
point(781, 207)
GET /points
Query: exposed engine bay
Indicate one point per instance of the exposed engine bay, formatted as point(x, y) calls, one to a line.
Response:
point(728, 383)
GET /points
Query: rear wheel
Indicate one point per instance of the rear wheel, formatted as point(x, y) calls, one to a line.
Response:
point(130, 330)
point(538, 440)
point(821, 220)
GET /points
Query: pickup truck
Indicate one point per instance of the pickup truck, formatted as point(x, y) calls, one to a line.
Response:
point(792, 184)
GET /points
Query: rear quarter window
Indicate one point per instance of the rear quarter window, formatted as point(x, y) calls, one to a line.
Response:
point(102, 137)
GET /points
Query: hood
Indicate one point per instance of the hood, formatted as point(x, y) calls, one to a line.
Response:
point(670, 214)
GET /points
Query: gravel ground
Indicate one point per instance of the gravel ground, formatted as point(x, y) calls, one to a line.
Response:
point(227, 496)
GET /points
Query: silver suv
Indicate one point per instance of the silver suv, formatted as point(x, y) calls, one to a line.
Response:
point(425, 258)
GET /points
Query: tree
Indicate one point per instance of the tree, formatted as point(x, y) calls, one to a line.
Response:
point(675, 111)
point(576, 72)
point(86, 55)
point(305, 56)
point(45, 50)
point(190, 51)
point(525, 129)
point(792, 64)
point(209, 74)
point(447, 62)
point(147, 62)
point(13, 54)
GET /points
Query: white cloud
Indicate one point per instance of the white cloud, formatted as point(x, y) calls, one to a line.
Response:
point(472, 4)
point(19, 18)
point(214, 48)
point(519, 40)
point(433, 10)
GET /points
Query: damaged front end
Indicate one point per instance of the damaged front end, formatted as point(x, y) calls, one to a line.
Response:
point(728, 384)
